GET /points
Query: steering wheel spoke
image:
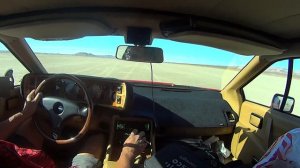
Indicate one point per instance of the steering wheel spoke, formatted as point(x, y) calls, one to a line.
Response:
point(56, 132)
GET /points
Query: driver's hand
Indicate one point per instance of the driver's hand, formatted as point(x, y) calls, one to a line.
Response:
point(31, 103)
point(134, 145)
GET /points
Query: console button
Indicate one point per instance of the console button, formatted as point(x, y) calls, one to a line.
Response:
point(119, 89)
point(119, 99)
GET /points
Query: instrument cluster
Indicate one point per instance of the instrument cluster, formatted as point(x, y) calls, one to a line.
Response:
point(103, 92)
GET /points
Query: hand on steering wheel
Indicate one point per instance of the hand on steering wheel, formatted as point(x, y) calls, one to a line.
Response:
point(59, 109)
point(31, 103)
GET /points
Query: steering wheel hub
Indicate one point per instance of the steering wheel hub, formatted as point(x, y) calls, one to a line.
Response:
point(58, 108)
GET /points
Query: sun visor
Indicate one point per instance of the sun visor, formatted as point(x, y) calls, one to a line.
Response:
point(57, 29)
point(229, 43)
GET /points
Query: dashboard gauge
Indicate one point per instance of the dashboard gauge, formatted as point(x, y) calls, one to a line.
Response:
point(60, 84)
point(97, 91)
point(72, 90)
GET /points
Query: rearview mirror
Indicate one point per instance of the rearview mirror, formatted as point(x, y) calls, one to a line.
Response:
point(277, 101)
point(140, 54)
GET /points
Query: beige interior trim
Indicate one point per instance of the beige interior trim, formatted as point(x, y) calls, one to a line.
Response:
point(249, 141)
point(24, 53)
point(276, 17)
point(57, 29)
point(230, 43)
point(231, 93)
point(293, 51)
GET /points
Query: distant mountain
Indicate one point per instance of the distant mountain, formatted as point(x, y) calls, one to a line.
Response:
point(277, 69)
point(92, 55)
point(85, 54)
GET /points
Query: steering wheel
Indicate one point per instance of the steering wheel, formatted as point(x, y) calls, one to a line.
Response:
point(59, 109)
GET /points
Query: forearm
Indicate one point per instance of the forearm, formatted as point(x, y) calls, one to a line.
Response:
point(125, 161)
point(10, 125)
point(133, 146)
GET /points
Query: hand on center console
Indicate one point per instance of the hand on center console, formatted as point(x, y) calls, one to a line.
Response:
point(134, 145)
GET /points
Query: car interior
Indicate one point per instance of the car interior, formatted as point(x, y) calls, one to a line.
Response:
point(248, 114)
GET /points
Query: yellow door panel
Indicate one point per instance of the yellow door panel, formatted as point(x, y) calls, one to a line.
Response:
point(252, 139)
point(248, 140)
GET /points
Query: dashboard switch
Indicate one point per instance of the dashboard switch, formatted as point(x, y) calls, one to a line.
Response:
point(119, 89)
point(119, 99)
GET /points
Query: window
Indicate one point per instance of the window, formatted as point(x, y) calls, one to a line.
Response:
point(196, 65)
point(9, 61)
point(273, 80)
point(295, 89)
point(187, 65)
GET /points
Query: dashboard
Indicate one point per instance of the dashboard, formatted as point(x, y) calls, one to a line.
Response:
point(174, 111)
point(103, 92)
point(159, 111)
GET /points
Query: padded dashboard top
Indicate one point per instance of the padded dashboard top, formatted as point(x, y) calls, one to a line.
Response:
point(183, 108)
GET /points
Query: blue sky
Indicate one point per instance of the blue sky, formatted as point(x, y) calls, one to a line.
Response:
point(173, 51)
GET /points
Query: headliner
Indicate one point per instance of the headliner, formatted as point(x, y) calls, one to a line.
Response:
point(277, 17)
point(252, 27)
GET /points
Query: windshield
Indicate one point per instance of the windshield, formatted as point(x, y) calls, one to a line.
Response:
point(184, 64)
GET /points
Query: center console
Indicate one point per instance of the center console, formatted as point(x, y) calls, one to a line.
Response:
point(121, 128)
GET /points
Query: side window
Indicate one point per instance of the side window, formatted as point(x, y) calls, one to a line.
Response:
point(295, 89)
point(273, 80)
point(9, 62)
